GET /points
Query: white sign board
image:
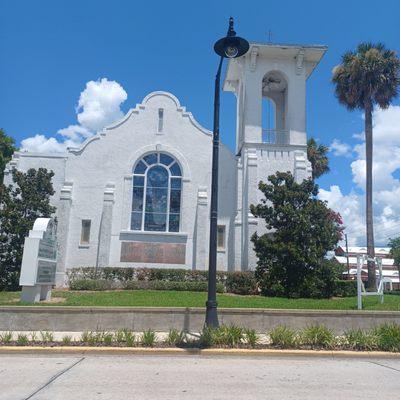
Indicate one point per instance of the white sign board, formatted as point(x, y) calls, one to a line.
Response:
point(39, 261)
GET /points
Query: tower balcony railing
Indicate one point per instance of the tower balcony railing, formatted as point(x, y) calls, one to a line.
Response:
point(275, 136)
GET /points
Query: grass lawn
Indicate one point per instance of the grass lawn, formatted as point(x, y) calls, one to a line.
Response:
point(161, 298)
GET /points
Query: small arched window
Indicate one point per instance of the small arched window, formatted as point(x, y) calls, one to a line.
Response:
point(156, 200)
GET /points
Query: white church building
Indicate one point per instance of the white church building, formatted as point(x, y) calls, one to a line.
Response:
point(138, 192)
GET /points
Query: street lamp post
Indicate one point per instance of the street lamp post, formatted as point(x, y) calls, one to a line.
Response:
point(231, 46)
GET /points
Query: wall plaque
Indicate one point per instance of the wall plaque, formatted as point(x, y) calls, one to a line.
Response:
point(152, 252)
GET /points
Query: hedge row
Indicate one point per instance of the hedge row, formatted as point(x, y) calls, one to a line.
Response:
point(102, 284)
point(108, 278)
point(87, 278)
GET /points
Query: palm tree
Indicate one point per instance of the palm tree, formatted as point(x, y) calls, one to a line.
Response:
point(366, 77)
point(317, 156)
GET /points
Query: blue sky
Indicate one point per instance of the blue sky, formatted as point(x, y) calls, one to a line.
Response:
point(51, 49)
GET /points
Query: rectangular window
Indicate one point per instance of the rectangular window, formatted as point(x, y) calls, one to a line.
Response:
point(160, 119)
point(85, 232)
point(221, 237)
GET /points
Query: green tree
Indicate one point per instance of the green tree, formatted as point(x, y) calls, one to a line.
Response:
point(317, 155)
point(366, 77)
point(6, 151)
point(20, 204)
point(302, 229)
point(394, 245)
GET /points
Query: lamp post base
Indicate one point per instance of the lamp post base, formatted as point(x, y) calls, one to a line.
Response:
point(211, 314)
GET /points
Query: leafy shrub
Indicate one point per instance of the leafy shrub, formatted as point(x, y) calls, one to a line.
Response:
point(305, 229)
point(283, 336)
point(6, 337)
point(388, 337)
point(357, 339)
point(66, 340)
point(251, 337)
point(241, 283)
point(317, 336)
point(22, 339)
point(345, 288)
point(148, 338)
point(175, 337)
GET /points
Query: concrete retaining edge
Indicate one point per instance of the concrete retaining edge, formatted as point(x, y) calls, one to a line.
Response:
point(84, 350)
point(78, 319)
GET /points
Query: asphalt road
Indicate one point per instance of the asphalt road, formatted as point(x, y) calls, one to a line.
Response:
point(24, 377)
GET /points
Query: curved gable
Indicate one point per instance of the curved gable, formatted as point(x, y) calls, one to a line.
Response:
point(158, 99)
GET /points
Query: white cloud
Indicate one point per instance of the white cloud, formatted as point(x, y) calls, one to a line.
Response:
point(99, 105)
point(340, 149)
point(386, 187)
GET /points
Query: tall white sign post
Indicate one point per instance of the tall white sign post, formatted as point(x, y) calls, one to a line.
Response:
point(39, 260)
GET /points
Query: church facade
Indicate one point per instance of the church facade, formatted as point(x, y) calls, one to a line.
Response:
point(138, 192)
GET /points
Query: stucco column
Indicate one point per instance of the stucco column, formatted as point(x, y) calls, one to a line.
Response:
point(63, 220)
point(103, 255)
point(250, 227)
point(126, 203)
point(302, 167)
point(201, 230)
point(238, 217)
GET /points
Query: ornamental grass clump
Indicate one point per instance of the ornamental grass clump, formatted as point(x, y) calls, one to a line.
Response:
point(120, 335)
point(108, 338)
point(283, 336)
point(230, 336)
point(22, 339)
point(357, 339)
point(251, 338)
point(207, 337)
point(129, 338)
point(175, 337)
point(6, 337)
point(317, 336)
point(92, 338)
point(388, 337)
point(46, 337)
point(148, 338)
point(66, 340)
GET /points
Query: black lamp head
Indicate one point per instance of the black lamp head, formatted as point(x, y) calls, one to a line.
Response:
point(231, 46)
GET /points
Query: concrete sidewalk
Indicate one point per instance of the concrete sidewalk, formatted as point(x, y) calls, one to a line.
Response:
point(193, 377)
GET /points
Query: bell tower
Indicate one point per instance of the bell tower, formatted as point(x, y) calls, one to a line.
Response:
point(270, 86)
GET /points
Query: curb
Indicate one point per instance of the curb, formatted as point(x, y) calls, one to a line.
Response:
point(86, 350)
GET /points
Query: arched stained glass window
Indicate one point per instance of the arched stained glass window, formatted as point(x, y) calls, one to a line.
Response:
point(156, 199)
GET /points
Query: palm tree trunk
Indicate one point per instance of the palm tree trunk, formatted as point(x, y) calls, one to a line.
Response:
point(369, 209)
